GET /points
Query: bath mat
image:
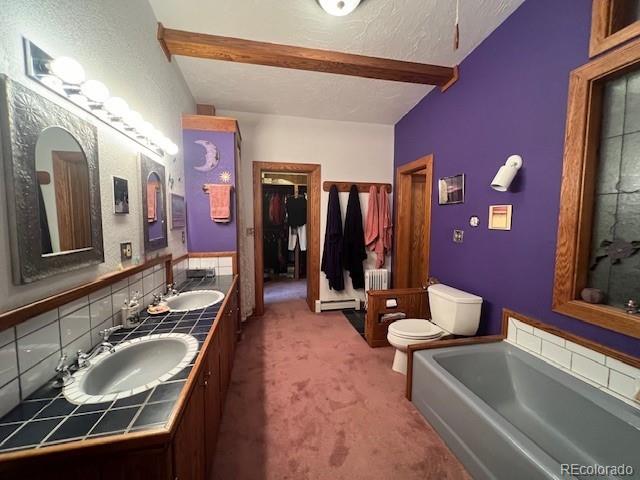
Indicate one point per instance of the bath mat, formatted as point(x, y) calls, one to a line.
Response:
point(356, 319)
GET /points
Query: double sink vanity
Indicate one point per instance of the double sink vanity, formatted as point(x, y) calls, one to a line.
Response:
point(148, 406)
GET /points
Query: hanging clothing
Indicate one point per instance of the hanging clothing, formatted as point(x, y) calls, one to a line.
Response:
point(383, 244)
point(296, 211)
point(354, 252)
point(276, 209)
point(332, 255)
point(219, 202)
point(371, 228)
point(298, 235)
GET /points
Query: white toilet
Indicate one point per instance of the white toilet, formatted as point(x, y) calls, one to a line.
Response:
point(453, 312)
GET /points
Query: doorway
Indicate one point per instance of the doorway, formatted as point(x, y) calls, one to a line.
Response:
point(287, 254)
point(413, 226)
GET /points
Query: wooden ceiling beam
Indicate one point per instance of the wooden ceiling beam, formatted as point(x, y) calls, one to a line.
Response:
point(214, 47)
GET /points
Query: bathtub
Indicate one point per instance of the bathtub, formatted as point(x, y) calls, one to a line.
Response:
point(507, 414)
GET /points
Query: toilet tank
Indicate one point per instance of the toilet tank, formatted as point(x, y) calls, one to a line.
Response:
point(456, 311)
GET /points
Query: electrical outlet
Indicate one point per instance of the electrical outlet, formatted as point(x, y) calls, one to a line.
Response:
point(458, 236)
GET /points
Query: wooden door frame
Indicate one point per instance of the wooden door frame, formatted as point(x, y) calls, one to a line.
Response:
point(313, 221)
point(402, 222)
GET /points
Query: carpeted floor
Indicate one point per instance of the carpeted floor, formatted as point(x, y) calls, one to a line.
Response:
point(310, 400)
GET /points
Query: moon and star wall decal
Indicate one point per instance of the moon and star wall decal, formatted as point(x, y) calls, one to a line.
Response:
point(211, 156)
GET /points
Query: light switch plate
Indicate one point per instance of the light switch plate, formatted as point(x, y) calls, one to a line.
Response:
point(126, 251)
point(458, 236)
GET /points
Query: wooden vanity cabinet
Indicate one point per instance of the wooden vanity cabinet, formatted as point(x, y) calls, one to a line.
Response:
point(185, 452)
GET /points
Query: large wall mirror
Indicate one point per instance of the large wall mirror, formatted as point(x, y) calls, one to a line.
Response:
point(154, 201)
point(50, 159)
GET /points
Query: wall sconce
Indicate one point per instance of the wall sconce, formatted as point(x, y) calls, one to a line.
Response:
point(507, 173)
point(66, 77)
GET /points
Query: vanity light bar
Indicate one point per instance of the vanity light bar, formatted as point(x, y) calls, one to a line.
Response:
point(67, 78)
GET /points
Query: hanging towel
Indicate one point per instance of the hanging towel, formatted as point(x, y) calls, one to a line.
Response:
point(353, 246)
point(371, 228)
point(152, 201)
point(332, 255)
point(383, 243)
point(219, 202)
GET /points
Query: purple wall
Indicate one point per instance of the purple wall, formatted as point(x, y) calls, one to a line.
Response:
point(203, 234)
point(511, 99)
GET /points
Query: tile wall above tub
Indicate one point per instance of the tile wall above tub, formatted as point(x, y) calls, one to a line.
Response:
point(30, 351)
point(606, 373)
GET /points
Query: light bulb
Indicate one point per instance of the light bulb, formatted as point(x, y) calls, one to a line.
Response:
point(95, 91)
point(68, 70)
point(339, 8)
point(133, 119)
point(145, 129)
point(156, 137)
point(172, 148)
point(116, 107)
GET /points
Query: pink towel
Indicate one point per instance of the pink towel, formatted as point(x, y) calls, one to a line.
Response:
point(371, 223)
point(383, 245)
point(219, 202)
point(152, 200)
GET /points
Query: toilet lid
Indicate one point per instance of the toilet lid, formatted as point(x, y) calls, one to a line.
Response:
point(415, 328)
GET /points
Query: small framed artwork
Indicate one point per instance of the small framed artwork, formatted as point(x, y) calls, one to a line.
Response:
point(500, 217)
point(178, 214)
point(451, 190)
point(120, 195)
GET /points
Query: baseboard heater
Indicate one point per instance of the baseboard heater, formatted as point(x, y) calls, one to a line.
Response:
point(326, 305)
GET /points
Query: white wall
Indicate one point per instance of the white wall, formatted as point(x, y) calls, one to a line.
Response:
point(347, 151)
point(115, 41)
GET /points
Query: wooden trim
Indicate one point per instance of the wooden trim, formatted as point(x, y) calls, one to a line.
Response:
point(202, 109)
point(163, 45)
point(363, 187)
point(454, 79)
point(456, 342)
point(313, 221)
point(578, 184)
point(20, 314)
point(402, 227)
point(602, 37)
point(233, 255)
point(180, 259)
point(209, 123)
point(215, 47)
point(610, 352)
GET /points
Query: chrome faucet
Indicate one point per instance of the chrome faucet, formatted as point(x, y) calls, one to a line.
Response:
point(632, 307)
point(171, 290)
point(84, 359)
point(64, 377)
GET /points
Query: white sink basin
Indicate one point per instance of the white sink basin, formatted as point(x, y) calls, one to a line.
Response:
point(135, 366)
point(195, 300)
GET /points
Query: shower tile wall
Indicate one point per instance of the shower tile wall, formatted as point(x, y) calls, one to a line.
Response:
point(30, 351)
point(617, 199)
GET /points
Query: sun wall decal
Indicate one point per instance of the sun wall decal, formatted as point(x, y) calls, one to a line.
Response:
point(225, 177)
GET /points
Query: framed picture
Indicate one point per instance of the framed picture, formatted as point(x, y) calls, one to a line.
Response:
point(120, 195)
point(500, 217)
point(178, 214)
point(451, 190)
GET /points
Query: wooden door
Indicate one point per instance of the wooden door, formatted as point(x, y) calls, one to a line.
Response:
point(212, 403)
point(413, 223)
point(189, 456)
point(71, 184)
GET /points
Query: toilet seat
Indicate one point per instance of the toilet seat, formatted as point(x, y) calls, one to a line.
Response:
point(415, 329)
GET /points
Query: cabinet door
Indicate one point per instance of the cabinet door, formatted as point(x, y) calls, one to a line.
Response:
point(212, 407)
point(189, 442)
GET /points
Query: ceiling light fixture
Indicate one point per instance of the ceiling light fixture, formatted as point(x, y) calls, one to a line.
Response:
point(339, 8)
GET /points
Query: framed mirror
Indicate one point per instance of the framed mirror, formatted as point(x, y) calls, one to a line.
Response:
point(154, 202)
point(50, 159)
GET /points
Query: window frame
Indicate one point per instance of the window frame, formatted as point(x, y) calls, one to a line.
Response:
point(602, 39)
point(582, 142)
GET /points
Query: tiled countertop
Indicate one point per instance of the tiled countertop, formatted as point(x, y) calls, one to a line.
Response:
point(47, 418)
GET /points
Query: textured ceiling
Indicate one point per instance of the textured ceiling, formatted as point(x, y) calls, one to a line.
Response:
point(415, 30)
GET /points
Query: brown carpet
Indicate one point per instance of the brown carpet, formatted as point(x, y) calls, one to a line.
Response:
point(310, 400)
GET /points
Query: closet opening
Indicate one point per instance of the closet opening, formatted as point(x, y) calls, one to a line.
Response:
point(287, 231)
